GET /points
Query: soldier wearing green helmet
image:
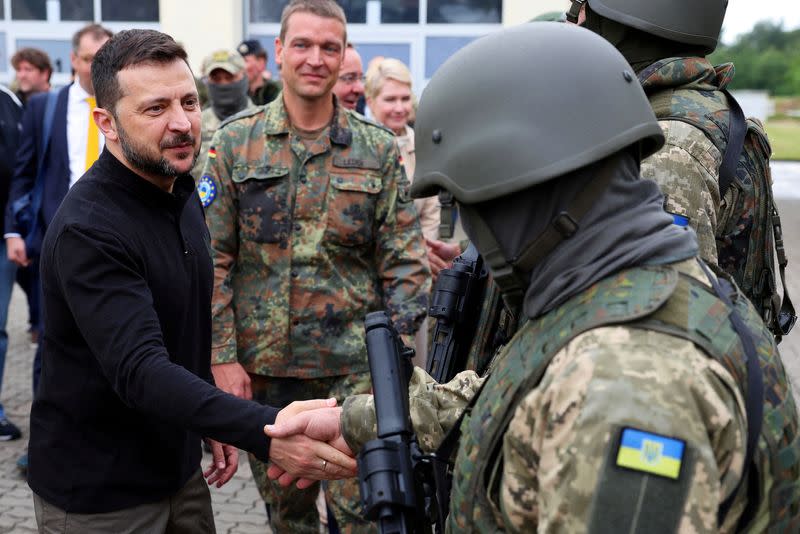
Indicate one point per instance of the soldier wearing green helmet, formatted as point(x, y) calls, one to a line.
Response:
point(714, 168)
point(632, 396)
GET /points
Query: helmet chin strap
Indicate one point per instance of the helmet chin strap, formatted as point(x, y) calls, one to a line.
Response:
point(575, 10)
point(511, 274)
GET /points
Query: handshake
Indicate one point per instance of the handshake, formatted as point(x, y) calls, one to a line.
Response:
point(307, 444)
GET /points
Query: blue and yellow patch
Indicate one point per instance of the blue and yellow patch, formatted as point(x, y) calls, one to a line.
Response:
point(207, 190)
point(680, 220)
point(650, 453)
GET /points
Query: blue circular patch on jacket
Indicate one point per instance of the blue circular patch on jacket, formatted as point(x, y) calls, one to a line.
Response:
point(207, 191)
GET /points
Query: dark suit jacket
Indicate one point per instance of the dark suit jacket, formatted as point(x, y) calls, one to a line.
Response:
point(56, 160)
point(10, 116)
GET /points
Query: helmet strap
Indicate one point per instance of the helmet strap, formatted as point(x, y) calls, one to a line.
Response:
point(575, 10)
point(510, 275)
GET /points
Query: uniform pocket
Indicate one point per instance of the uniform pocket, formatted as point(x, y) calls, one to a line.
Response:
point(352, 197)
point(263, 203)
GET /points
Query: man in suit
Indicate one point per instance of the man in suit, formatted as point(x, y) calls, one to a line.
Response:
point(74, 144)
point(10, 115)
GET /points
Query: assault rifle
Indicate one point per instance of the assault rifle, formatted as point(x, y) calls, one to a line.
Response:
point(456, 306)
point(395, 477)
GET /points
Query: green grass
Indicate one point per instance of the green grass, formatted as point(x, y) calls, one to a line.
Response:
point(784, 135)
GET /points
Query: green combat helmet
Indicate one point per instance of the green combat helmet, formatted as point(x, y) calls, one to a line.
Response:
point(540, 125)
point(693, 22)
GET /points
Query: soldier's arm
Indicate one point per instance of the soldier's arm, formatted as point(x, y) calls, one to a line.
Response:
point(430, 214)
point(562, 469)
point(222, 220)
point(401, 261)
point(686, 171)
point(434, 409)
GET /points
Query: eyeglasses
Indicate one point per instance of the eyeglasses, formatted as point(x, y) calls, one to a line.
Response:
point(351, 78)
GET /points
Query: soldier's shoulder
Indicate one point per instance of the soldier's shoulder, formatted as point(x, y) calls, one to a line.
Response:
point(357, 120)
point(245, 118)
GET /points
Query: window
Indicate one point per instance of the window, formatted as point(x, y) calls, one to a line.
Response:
point(131, 11)
point(465, 11)
point(270, 10)
point(439, 49)
point(29, 9)
point(266, 10)
point(3, 66)
point(400, 11)
point(396, 50)
point(77, 10)
point(57, 50)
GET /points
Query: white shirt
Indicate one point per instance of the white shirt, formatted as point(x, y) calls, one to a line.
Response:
point(77, 127)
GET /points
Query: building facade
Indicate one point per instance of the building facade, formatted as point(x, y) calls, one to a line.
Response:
point(421, 33)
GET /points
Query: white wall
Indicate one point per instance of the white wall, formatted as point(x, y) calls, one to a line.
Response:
point(202, 26)
point(519, 11)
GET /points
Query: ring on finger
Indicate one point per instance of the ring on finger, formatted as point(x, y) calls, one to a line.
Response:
point(324, 464)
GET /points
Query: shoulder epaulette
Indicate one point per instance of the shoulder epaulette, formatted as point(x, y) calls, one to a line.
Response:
point(248, 112)
point(369, 122)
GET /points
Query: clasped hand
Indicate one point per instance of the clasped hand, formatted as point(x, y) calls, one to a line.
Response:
point(307, 444)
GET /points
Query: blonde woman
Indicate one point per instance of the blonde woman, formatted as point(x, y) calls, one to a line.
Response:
point(389, 98)
point(391, 102)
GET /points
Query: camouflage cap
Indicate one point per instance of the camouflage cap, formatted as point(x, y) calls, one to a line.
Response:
point(250, 46)
point(224, 59)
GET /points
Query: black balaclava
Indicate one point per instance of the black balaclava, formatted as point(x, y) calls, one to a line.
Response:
point(228, 98)
point(625, 227)
point(639, 48)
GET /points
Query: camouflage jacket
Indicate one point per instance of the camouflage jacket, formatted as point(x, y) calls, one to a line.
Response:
point(209, 124)
point(306, 242)
point(542, 448)
point(687, 167)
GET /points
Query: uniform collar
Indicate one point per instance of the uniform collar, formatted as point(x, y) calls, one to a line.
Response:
point(108, 167)
point(277, 122)
point(685, 73)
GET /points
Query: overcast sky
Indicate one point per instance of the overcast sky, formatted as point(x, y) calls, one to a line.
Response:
point(743, 14)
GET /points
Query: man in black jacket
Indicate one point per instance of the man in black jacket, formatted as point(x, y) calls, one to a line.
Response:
point(126, 388)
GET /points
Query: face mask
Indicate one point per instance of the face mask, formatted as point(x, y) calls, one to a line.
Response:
point(227, 99)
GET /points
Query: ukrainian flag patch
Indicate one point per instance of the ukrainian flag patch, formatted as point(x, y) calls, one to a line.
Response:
point(650, 453)
point(680, 220)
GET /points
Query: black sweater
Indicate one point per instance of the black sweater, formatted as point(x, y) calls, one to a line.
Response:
point(126, 388)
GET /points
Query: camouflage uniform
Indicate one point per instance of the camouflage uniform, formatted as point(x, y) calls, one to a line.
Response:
point(306, 241)
point(209, 125)
point(559, 396)
point(687, 168)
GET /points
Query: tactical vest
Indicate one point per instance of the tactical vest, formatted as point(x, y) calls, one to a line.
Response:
point(653, 298)
point(748, 225)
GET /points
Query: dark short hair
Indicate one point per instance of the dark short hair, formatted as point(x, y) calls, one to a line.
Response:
point(36, 57)
point(322, 8)
point(126, 49)
point(95, 30)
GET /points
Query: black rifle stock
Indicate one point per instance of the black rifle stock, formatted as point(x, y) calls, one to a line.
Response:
point(456, 305)
point(392, 470)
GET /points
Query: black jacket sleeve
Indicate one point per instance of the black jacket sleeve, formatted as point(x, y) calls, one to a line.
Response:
point(113, 309)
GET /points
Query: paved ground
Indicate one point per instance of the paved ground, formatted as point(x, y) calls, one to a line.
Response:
point(237, 506)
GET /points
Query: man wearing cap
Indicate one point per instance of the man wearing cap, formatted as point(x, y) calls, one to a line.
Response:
point(262, 90)
point(224, 71)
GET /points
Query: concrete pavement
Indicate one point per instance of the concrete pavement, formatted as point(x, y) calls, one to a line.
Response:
point(238, 508)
